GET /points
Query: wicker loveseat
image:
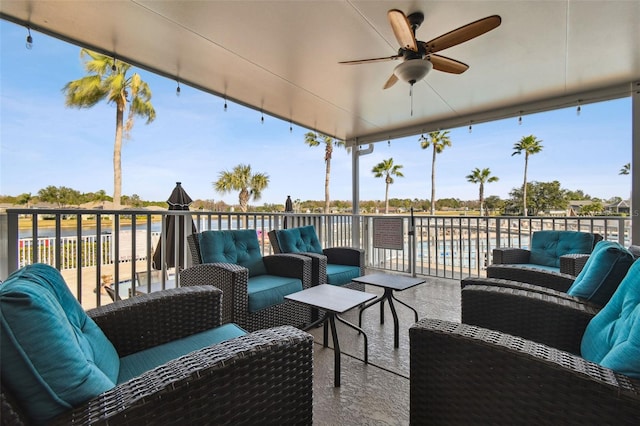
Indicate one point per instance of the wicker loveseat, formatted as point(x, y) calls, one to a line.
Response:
point(605, 268)
point(520, 357)
point(45, 381)
point(564, 252)
point(253, 286)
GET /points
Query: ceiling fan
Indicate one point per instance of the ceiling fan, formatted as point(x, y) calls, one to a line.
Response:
point(418, 56)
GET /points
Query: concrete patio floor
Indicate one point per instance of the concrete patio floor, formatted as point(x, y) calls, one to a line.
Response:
point(376, 393)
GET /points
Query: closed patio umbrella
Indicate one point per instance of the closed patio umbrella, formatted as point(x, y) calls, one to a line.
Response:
point(288, 208)
point(178, 200)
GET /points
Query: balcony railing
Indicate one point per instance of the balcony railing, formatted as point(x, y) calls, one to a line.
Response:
point(112, 246)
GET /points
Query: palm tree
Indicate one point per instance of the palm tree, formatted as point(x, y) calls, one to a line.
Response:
point(241, 179)
point(387, 170)
point(439, 141)
point(312, 139)
point(529, 145)
point(625, 170)
point(108, 80)
point(481, 177)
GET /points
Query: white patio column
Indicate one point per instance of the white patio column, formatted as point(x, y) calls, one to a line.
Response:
point(356, 152)
point(635, 163)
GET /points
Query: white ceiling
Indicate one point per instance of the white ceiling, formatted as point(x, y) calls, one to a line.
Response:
point(282, 57)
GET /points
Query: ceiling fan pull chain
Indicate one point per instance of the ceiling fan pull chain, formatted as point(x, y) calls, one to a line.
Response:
point(411, 96)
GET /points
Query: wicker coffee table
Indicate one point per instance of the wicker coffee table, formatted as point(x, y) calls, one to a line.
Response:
point(389, 282)
point(333, 300)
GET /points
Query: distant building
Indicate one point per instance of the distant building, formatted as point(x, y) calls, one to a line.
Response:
point(622, 207)
point(575, 206)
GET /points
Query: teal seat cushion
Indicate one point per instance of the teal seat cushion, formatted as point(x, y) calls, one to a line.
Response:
point(299, 240)
point(341, 274)
point(268, 290)
point(548, 246)
point(135, 364)
point(54, 356)
point(542, 267)
point(235, 246)
point(606, 267)
point(612, 337)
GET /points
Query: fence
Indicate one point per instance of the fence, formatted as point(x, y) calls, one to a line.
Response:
point(119, 243)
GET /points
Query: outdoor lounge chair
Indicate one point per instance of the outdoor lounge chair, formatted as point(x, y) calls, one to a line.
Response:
point(556, 257)
point(605, 268)
point(254, 286)
point(161, 358)
point(508, 363)
point(335, 265)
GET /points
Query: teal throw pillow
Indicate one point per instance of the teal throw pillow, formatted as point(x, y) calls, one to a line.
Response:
point(299, 240)
point(612, 338)
point(54, 356)
point(235, 246)
point(606, 267)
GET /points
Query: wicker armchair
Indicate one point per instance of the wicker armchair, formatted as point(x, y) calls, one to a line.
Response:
point(464, 374)
point(208, 386)
point(334, 265)
point(234, 279)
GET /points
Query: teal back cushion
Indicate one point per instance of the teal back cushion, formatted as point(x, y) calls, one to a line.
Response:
point(236, 246)
point(612, 338)
point(54, 356)
point(548, 246)
point(606, 267)
point(299, 240)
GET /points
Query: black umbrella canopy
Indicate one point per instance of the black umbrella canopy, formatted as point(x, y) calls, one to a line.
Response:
point(288, 208)
point(178, 200)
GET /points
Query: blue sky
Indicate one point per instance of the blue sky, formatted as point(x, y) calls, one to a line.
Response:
point(193, 139)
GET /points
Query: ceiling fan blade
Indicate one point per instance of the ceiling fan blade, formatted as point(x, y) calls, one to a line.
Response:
point(392, 80)
point(402, 29)
point(442, 63)
point(364, 61)
point(462, 34)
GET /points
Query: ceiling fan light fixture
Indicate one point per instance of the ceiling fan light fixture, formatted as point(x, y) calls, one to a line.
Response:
point(413, 70)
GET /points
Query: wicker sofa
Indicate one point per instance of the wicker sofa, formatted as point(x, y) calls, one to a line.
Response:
point(464, 375)
point(606, 267)
point(564, 252)
point(207, 386)
point(522, 357)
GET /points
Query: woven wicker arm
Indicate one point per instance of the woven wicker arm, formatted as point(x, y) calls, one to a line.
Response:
point(498, 282)
point(541, 277)
point(461, 374)
point(345, 256)
point(510, 255)
point(318, 268)
point(572, 264)
point(232, 279)
point(265, 377)
point(289, 265)
point(544, 318)
point(132, 324)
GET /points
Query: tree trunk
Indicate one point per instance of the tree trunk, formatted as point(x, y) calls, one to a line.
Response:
point(524, 185)
point(243, 198)
point(433, 181)
point(117, 156)
point(481, 199)
point(327, 201)
point(386, 197)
